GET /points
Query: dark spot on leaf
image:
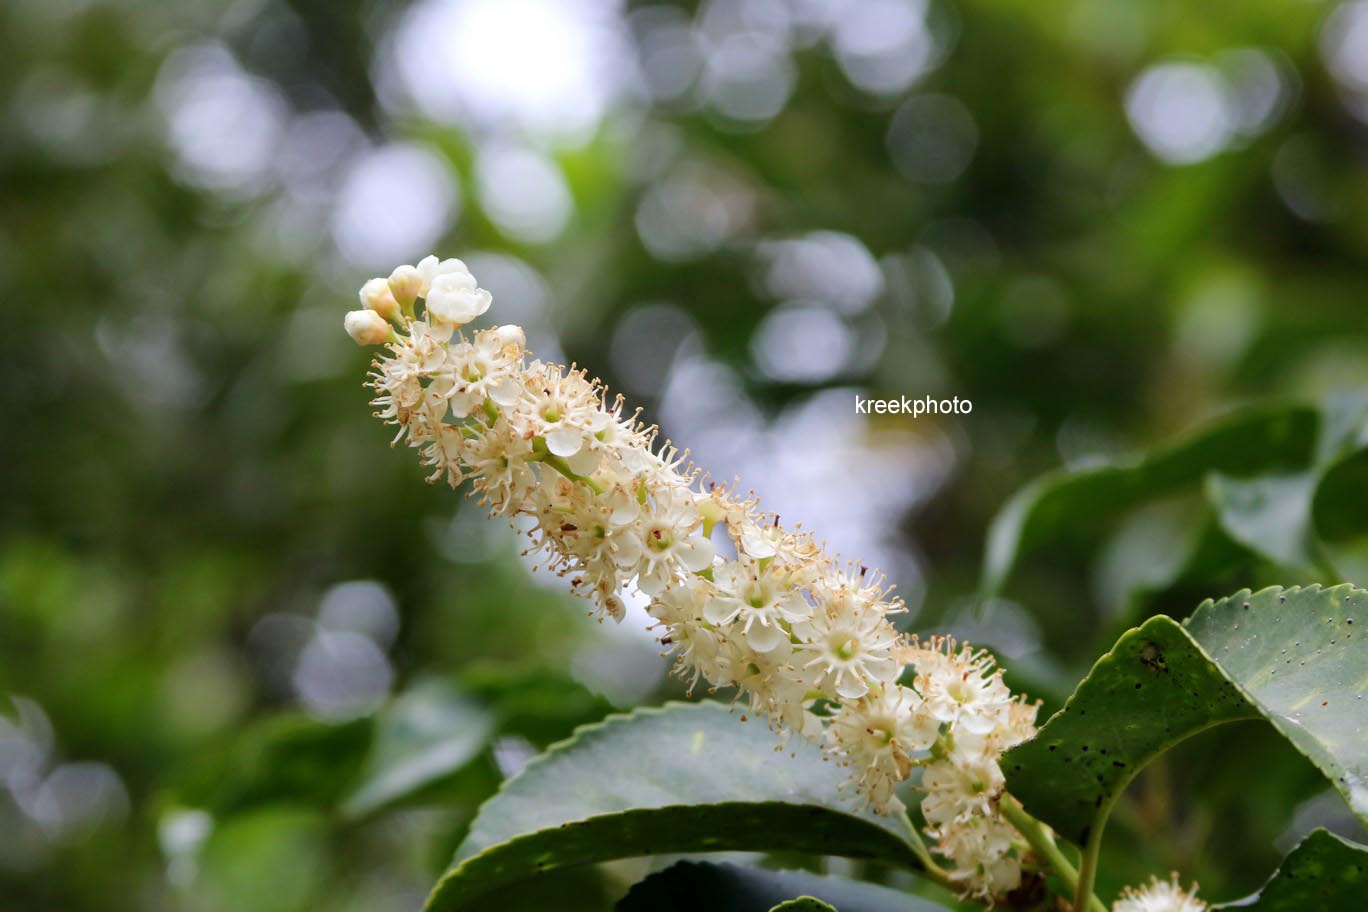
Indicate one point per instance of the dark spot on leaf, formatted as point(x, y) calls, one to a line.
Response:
point(1152, 657)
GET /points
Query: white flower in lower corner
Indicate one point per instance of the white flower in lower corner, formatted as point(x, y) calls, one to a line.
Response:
point(981, 849)
point(1160, 896)
point(959, 790)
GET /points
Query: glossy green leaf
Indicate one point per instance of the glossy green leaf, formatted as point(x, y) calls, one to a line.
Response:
point(1074, 501)
point(692, 886)
point(1322, 872)
point(1293, 657)
point(427, 733)
point(682, 778)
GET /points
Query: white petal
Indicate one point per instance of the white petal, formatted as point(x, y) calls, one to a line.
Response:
point(757, 544)
point(462, 404)
point(765, 637)
point(716, 611)
point(852, 687)
point(654, 580)
point(626, 550)
point(977, 724)
point(505, 392)
point(695, 553)
point(625, 508)
point(439, 330)
point(565, 441)
point(633, 460)
point(454, 267)
point(482, 300)
point(585, 461)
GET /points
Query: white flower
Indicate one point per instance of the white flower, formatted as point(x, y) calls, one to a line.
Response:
point(761, 542)
point(668, 547)
point(484, 369)
point(1160, 896)
point(981, 849)
point(849, 641)
point(958, 791)
point(429, 268)
point(761, 601)
point(453, 299)
point(366, 327)
point(961, 687)
point(879, 734)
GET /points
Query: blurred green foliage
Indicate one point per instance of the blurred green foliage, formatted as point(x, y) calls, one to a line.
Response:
point(189, 469)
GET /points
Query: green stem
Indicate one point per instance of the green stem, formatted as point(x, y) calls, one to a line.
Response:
point(1041, 840)
point(560, 465)
point(932, 870)
point(1087, 864)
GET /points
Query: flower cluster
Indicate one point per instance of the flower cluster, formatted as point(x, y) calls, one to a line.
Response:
point(962, 780)
point(1160, 896)
point(739, 600)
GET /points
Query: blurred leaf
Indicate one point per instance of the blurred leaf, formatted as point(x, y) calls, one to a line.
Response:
point(1289, 656)
point(427, 733)
point(538, 703)
point(285, 758)
point(267, 860)
point(1322, 872)
point(804, 904)
point(431, 731)
point(1072, 502)
point(682, 778)
point(1270, 514)
point(694, 886)
point(1273, 514)
point(1168, 543)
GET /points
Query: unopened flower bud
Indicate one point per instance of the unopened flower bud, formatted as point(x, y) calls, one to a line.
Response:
point(376, 295)
point(407, 285)
point(366, 327)
point(511, 335)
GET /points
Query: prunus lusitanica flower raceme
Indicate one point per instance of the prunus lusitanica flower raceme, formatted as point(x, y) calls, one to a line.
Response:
point(804, 639)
